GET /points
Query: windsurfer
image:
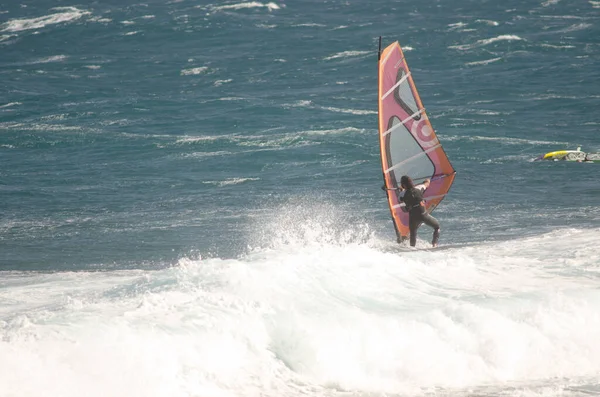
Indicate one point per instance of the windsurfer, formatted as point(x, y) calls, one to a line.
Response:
point(412, 196)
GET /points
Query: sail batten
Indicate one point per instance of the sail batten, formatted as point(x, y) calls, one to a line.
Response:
point(416, 156)
point(395, 86)
point(408, 143)
point(405, 121)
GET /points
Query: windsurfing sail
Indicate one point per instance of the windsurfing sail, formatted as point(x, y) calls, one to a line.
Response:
point(409, 145)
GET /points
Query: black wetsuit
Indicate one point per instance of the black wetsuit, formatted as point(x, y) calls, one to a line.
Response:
point(417, 214)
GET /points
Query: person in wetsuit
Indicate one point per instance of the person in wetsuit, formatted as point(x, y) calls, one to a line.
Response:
point(412, 197)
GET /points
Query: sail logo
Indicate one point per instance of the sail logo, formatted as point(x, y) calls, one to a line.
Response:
point(424, 133)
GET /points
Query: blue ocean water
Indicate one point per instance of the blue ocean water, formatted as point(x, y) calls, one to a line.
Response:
point(190, 200)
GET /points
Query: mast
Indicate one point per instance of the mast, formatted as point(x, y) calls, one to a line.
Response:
point(378, 93)
point(385, 187)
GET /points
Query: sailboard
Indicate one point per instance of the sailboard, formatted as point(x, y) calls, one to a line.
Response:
point(408, 143)
point(571, 155)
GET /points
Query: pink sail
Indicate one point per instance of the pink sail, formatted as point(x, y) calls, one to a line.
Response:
point(409, 145)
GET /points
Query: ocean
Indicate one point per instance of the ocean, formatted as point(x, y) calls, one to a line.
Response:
point(190, 200)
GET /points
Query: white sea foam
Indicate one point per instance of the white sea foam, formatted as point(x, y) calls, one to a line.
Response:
point(10, 104)
point(54, 117)
point(53, 58)
point(270, 142)
point(205, 155)
point(485, 112)
point(350, 111)
point(577, 27)
point(250, 4)
point(550, 2)
point(67, 14)
point(100, 20)
point(221, 82)
point(195, 139)
point(561, 17)
point(595, 4)
point(337, 131)
point(317, 310)
point(460, 27)
point(509, 158)
point(487, 22)
point(347, 54)
point(299, 104)
point(484, 42)
point(231, 181)
point(457, 25)
point(556, 46)
point(485, 62)
point(39, 127)
point(503, 140)
point(309, 25)
point(550, 96)
point(194, 71)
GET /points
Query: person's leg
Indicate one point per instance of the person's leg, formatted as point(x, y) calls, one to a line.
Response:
point(431, 221)
point(414, 221)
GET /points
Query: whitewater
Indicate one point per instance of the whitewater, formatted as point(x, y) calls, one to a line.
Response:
point(306, 317)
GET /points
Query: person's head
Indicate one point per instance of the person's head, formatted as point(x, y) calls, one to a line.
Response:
point(406, 182)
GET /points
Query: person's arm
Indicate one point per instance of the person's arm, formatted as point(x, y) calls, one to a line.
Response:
point(423, 186)
point(401, 192)
point(392, 188)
